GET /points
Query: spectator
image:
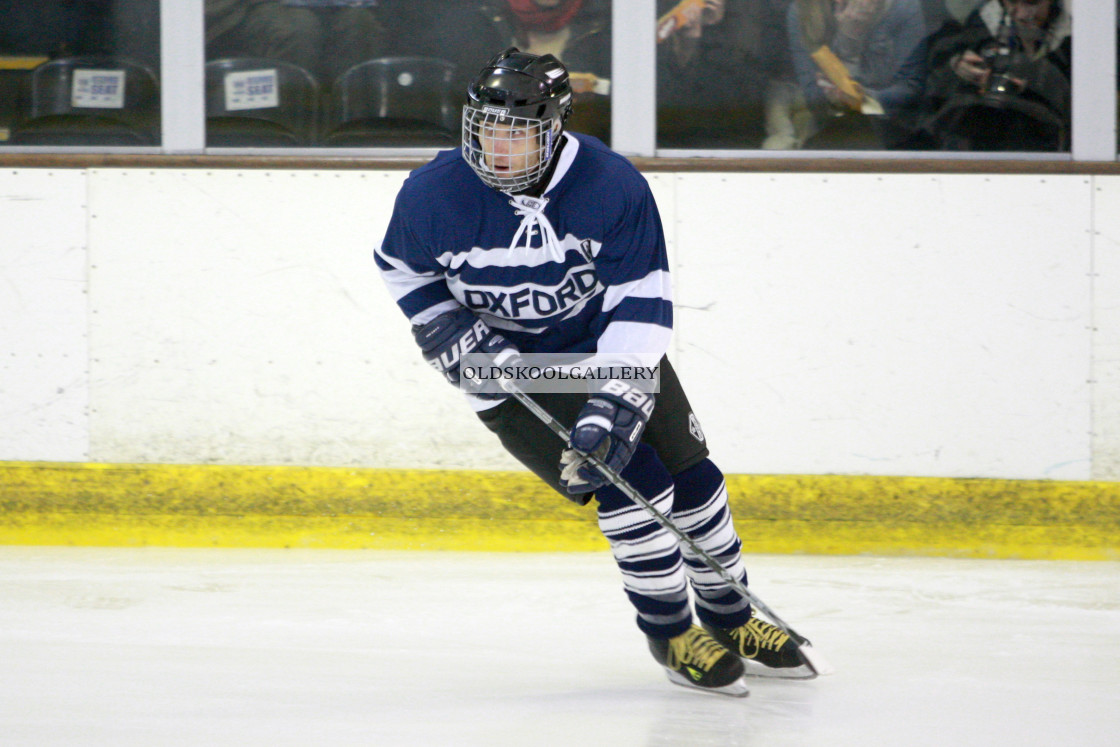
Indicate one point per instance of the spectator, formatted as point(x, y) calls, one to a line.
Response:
point(849, 56)
point(937, 12)
point(710, 82)
point(578, 33)
point(788, 121)
point(325, 37)
point(563, 26)
point(959, 9)
point(575, 31)
point(1001, 80)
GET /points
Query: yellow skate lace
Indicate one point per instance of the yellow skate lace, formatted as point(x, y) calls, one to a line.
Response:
point(759, 635)
point(694, 648)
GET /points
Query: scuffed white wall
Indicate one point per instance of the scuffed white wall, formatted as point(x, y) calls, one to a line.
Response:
point(948, 325)
point(1106, 328)
point(44, 319)
point(904, 325)
point(238, 318)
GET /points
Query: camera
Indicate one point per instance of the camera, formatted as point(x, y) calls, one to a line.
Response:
point(1007, 64)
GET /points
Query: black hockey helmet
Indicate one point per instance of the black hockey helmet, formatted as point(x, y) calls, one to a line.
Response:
point(524, 94)
point(525, 85)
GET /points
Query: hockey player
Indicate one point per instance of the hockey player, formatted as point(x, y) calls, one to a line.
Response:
point(532, 239)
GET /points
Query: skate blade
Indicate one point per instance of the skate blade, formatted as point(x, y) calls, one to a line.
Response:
point(754, 669)
point(813, 665)
point(737, 689)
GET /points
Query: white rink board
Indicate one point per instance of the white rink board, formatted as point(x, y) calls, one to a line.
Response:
point(1106, 324)
point(664, 188)
point(902, 325)
point(246, 324)
point(44, 356)
point(939, 325)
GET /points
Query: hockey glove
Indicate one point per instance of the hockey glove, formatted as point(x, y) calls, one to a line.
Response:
point(449, 336)
point(608, 428)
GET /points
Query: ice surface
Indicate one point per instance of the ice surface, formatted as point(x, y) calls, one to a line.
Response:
point(157, 646)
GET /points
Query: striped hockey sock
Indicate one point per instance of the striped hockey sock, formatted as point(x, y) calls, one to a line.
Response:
point(700, 510)
point(648, 555)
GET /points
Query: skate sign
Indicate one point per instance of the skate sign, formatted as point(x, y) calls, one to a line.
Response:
point(97, 89)
point(252, 89)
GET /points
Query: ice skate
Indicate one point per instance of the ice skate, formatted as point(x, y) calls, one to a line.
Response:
point(694, 659)
point(764, 649)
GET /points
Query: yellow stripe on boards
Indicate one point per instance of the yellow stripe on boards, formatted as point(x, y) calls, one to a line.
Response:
point(255, 506)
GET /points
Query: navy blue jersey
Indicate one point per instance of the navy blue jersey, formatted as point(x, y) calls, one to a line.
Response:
point(581, 269)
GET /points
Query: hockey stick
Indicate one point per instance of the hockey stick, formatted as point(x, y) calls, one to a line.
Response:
point(813, 660)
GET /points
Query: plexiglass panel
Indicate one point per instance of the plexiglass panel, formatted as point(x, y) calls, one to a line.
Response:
point(966, 76)
point(949, 75)
point(79, 73)
point(383, 73)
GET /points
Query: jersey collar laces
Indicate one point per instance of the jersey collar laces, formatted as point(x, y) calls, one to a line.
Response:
point(533, 219)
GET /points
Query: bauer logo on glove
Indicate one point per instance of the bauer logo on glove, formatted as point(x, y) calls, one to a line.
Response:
point(451, 335)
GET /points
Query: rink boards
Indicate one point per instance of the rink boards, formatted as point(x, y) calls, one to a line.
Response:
point(347, 508)
point(834, 331)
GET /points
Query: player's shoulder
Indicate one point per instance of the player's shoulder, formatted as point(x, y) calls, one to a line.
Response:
point(597, 161)
point(595, 150)
point(446, 174)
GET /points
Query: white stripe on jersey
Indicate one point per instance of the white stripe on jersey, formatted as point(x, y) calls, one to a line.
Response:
point(520, 256)
point(654, 285)
point(400, 283)
point(432, 312)
point(644, 344)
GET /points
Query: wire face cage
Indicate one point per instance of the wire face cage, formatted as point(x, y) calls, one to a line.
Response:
point(508, 153)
